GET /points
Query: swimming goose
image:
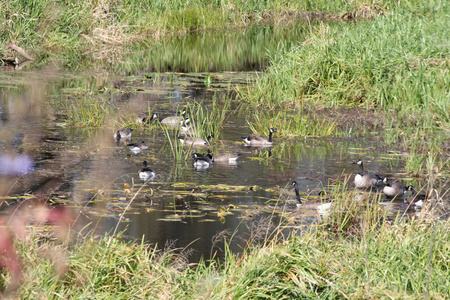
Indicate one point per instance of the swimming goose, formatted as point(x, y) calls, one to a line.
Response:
point(195, 141)
point(393, 189)
point(366, 180)
point(137, 147)
point(226, 157)
point(145, 172)
point(256, 140)
point(414, 199)
point(322, 207)
point(186, 129)
point(123, 134)
point(202, 161)
point(175, 121)
point(152, 118)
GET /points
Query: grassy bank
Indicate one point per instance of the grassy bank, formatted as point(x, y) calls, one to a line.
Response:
point(395, 67)
point(369, 257)
point(89, 28)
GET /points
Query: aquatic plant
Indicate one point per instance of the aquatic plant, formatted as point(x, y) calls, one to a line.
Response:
point(206, 118)
point(87, 112)
point(291, 124)
point(176, 148)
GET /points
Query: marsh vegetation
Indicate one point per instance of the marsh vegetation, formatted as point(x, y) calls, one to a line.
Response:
point(374, 88)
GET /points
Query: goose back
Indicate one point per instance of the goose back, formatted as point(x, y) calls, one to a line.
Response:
point(226, 157)
point(259, 140)
point(394, 189)
point(145, 172)
point(366, 180)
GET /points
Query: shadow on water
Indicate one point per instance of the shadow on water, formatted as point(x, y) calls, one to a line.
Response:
point(80, 165)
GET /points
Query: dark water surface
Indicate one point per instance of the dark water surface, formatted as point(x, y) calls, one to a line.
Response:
point(181, 207)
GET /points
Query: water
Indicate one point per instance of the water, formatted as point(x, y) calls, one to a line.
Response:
point(182, 207)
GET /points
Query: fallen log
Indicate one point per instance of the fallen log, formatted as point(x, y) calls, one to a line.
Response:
point(20, 51)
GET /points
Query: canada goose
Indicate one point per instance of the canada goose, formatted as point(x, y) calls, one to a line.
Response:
point(195, 141)
point(187, 129)
point(202, 161)
point(137, 147)
point(366, 180)
point(175, 121)
point(393, 189)
point(322, 208)
point(145, 172)
point(256, 140)
point(414, 199)
point(226, 157)
point(123, 134)
point(152, 118)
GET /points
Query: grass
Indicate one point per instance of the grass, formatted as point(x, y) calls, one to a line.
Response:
point(204, 119)
point(374, 257)
point(101, 29)
point(87, 112)
point(103, 268)
point(291, 124)
point(177, 150)
point(395, 65)
point(207, 118)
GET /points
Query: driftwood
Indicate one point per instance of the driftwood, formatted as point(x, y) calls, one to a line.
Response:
point(13, 64)
point(20, 51)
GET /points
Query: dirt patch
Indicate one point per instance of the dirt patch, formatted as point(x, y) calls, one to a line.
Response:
point(365, 12)
point(353, 117)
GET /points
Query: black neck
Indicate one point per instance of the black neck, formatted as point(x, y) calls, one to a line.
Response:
point(270, 136)
point(297, 194)
point(361, 169)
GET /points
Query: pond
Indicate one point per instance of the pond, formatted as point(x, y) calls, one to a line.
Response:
point(182, 207)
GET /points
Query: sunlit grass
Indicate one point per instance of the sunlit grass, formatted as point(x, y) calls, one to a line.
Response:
point(209, 118)
point(291, 125)
point(176, 149)
point(105, 267)
point(395, 65)
point(357, 250)
point(103, 28)
point(87, 112)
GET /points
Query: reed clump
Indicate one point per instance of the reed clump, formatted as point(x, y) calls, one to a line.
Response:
point(87, 112)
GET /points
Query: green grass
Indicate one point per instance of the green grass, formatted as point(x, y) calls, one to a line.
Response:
point(87, 112)
point(103, 268)
point(206, 118)
point(176, 148)
point(370, 257)
point(396, 65)
point(45, 28)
